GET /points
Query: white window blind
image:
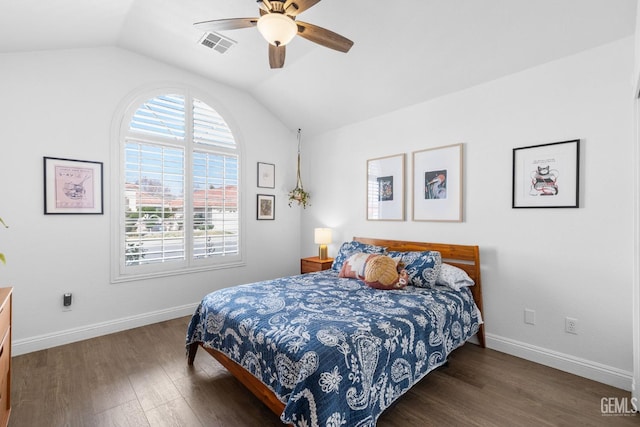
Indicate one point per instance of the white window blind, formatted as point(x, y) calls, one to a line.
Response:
point(209, 128)
point(215, 204)
point(163, 116)
point(154, 196)
point(180, 202)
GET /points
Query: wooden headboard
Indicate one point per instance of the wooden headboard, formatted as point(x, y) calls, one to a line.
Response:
point(466, 257)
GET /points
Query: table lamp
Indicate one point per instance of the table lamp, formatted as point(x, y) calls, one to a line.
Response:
point(322, 237)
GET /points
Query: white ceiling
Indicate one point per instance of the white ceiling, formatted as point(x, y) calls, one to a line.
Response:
point(405, 51)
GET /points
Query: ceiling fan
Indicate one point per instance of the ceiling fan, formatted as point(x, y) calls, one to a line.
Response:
point(277, 24)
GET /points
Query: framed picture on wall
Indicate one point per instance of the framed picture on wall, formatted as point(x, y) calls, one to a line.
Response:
point(266, 206)
point(72, 186)
point(437, 184)
point(546, 175)
point(266, 175)
point(385, 188)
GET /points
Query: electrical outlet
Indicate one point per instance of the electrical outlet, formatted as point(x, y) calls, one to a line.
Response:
point(529, 316)
point(67, 299)
point(571, 325)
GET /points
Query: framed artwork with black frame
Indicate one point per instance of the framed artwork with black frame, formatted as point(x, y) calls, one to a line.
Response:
point(546, 175)
point(266, 207)
point(385, 188)
point(72, 186)
point(437, 184)
point(266, 175)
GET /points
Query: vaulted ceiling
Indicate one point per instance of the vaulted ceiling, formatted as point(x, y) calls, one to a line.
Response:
point(405, 51)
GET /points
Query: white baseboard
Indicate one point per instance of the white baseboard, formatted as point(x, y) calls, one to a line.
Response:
point(585, 368)
point(41, 342)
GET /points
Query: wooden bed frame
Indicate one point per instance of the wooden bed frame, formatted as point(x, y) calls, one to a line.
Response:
point(462, 256)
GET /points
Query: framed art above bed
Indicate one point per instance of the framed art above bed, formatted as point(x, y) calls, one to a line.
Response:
point(437, 184)
point(385, 188)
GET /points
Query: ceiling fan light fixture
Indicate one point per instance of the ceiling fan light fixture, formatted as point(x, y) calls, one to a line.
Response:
point(277, 28)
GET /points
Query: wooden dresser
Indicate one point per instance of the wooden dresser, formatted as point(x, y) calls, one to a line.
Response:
point(5, 355)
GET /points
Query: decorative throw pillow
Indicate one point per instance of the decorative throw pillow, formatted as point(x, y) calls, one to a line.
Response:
point(423, 268)
point(453, 277)
point(354, 265)
point(381, 272)
point(396, 256)
point(349, 248)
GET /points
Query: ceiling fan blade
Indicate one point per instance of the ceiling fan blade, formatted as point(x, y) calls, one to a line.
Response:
point(226, 24)
point(324, 37)
point(294, 7)
point(276, 56)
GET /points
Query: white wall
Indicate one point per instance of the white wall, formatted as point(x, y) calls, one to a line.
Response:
point(62, 104)
point(558, 262)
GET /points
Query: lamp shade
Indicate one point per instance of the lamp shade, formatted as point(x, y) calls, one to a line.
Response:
point(322, 236)
point(277, 29)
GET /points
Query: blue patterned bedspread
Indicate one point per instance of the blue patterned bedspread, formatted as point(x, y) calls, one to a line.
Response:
point(335, 351)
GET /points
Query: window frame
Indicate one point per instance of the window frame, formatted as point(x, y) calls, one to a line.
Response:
point(120, 272)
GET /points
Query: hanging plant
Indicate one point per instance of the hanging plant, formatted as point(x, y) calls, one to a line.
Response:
point(298, 195)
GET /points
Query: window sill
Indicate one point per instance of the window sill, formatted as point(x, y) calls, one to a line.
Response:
point(121, 278)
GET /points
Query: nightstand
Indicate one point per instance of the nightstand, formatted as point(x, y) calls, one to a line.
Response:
point(314, 263)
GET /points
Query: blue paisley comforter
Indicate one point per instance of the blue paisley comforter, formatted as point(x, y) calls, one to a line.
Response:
point(335, 351)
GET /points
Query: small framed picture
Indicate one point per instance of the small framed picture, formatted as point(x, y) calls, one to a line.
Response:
point(266, 206)
point(72, 186)
point(546, 175)
point(266, 175)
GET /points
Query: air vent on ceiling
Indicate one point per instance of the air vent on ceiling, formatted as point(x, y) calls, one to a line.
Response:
point(217, 42)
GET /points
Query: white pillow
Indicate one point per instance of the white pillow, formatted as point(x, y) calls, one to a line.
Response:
point(453, 277)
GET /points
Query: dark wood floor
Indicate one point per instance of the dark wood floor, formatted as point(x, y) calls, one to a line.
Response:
point(140, 377)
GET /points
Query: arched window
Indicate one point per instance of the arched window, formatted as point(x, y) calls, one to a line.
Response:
point(179, 208)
